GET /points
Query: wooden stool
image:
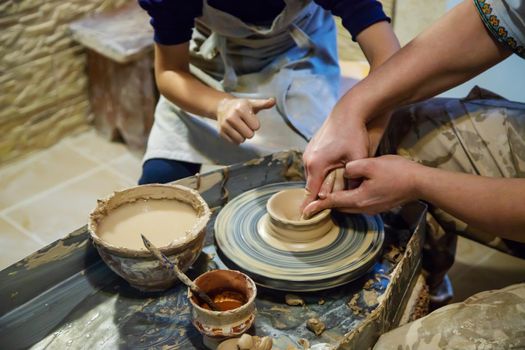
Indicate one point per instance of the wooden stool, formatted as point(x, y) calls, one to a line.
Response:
point(122, 88)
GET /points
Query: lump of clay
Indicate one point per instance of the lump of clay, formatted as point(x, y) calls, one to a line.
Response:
point(315, 325)
point(293, 300)
point(264, 343)
point(247, 342)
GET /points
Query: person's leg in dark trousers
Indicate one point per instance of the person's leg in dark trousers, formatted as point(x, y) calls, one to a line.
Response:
point(162, 171)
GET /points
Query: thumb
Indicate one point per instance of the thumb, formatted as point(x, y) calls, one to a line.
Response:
point(358, 168)
point(314, 181)
point(346, 200)
point(261, 104)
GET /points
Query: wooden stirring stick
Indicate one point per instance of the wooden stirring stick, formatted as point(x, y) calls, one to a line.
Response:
point(180, 275)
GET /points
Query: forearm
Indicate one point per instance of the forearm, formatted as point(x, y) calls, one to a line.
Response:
point(190, 94)
point(493, 205)
point(378, 43)
point(177, 84)
point(453, 50)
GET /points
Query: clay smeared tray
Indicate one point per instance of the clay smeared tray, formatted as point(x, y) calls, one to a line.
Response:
point(64, 296)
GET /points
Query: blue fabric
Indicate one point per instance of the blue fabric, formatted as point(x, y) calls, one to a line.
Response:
point(172, 20)
point(162, 171)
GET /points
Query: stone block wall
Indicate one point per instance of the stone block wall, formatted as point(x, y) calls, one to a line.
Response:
point(43, 83)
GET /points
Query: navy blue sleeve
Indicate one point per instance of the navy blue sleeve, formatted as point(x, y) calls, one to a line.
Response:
point(172, 20)
point(356, 15)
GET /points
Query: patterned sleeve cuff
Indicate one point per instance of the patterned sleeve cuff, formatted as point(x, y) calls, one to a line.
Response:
point(505, 22)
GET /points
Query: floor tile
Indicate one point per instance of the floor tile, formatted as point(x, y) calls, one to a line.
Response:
point(478, 268)
point(39, 172)
point(94, 146)
point(470, 252)
point(67, 208)
point(128, 165)
point(14, 245)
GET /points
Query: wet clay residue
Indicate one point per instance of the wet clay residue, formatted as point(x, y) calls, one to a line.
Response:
point(247, 342)
point(294, 166)
point(353, 305)
point(316, 326)
point(293, 300)
point(226, 300)
point(54, 253)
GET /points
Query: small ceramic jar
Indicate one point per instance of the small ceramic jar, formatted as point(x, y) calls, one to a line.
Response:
point(215, 326)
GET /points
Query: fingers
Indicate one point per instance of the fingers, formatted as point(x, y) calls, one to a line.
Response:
point(359, 168)
point(251, 120)
point(334, 182)
point(240, 127)
point(232, 135)
point(237, 121)
point(339, 182)
point(248, 116)
point(260, 104)
point(327, 185)
point(315, 176)
point(313, 185)
point(350, 200)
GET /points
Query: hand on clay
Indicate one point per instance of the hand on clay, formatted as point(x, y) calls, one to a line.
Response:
point(236, 117)
point(389, 181)
point(337, 142)
point(333, 182)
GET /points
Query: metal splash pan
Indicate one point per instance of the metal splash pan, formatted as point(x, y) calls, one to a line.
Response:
point(64, 297)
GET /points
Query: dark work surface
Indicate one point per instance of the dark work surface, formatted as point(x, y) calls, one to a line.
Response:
point(65, 296)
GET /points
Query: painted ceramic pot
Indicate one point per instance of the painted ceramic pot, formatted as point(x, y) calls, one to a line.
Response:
point(285, 221)
point(215, 326)
point(138, 266)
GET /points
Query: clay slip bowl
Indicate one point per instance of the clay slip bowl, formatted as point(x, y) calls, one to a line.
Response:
point(218, 325)
point(138, 266)
point(285, 220)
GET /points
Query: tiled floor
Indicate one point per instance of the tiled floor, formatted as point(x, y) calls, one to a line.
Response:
point(479, 268)
point(51, 192)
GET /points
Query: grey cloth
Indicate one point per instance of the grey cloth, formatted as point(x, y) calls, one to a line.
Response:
point(490, 320)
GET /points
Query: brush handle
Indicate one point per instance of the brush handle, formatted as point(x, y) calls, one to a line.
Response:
point(180, 275)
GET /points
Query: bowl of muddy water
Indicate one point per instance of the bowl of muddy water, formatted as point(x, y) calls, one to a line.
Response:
point(234, 294)
point(172, 217)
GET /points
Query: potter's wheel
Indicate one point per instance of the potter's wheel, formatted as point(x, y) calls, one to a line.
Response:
point(342, 255)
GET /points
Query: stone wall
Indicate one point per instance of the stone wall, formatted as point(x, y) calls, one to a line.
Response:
point(43, 86)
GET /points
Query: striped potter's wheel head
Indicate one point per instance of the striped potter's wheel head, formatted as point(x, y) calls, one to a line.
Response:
point(342, 255)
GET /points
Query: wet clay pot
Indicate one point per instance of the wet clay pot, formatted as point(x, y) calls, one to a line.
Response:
point(285, 221)
point(215, 326)
point(138, 266)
